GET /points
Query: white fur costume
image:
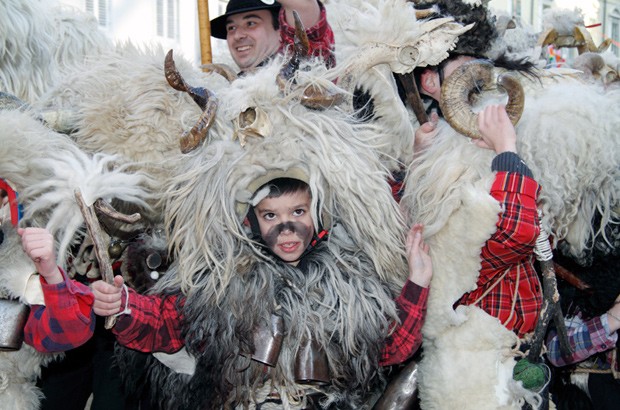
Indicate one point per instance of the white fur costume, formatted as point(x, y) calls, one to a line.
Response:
point(452, 175)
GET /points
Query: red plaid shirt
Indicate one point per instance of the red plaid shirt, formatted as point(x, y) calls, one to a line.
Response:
point(510, 251)
point(154, 324)
point(407, 336)
point(320, 36)
point(66, 321)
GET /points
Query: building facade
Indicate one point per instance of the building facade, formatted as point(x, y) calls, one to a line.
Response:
point(174, 23)
point(602, 17)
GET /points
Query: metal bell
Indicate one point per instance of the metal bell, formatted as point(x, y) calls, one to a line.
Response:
point(311, 365)
point(13, 317)
point(268, 341)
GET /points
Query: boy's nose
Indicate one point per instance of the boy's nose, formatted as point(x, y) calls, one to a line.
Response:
point(286, 227)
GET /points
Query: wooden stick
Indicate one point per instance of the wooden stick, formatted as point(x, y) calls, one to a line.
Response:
point(106, 209)
point(204, 25)
point(413, 97)
point(101, 252)
point(570, 277)
point(550, 311)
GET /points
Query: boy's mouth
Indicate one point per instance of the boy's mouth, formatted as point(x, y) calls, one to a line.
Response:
point(289, 247)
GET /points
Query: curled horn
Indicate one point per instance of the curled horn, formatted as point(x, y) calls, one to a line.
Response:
point(198, 134)
point(301, 49)
point(203, 97)
point(583, 40)
point(548, 37)
point(580, 38)
point(313, 96)
point(604, 45)
point(459, 87)
point(199, 94)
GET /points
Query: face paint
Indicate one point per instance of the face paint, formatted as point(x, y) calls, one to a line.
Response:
point(286, 225)
point(271, 238)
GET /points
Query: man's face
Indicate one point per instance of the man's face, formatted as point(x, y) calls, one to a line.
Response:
point(286, 224)
point(251, 38)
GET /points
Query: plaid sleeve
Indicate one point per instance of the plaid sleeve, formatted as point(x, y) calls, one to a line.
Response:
point(153, 324)
point(320, 36)
point(65, 322)
point(517, 228)
point(406, 338)
point(584, 338)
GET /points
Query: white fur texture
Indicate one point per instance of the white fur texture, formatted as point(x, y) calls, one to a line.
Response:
point(123, 105)
point(464, 349)
point(52, 167)
point(469, 366)
point(346, 177)
point(38, 39)
point(566, 137)
point(378, 37)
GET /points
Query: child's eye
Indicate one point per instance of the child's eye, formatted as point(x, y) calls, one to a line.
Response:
point(299, 212)
point(231, 28)
point(269, 216)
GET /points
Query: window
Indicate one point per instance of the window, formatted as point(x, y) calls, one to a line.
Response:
point(615, 35)
point(516, 8)
point(99, 9)
point(168, 18)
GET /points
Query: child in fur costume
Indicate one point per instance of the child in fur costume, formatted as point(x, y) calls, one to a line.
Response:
point(281, 220)
point(516, 305)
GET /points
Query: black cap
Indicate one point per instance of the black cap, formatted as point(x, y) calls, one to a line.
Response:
point(218, 24)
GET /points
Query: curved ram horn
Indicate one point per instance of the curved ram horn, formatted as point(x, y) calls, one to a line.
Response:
point(461, 84)
point(198, 134)
point(199, 94)
point(583, 40)
point(548, 37)
point(222, 69)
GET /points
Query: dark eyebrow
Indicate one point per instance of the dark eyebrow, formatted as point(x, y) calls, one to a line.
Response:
point(248, 16)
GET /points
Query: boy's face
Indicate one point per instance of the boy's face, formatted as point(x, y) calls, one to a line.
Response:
point(251, 38)
point(286, 224)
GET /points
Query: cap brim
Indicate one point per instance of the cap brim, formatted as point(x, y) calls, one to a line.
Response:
point(218, 24)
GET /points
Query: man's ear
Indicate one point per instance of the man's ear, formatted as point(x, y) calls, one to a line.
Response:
point(429, 82)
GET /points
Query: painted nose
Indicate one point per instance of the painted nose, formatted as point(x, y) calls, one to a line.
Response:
point(286, 227)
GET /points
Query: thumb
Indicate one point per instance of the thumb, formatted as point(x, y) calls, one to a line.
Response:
point(119, 281)
point(428, 126)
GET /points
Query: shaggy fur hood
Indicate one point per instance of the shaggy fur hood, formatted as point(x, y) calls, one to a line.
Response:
point(335, 299)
